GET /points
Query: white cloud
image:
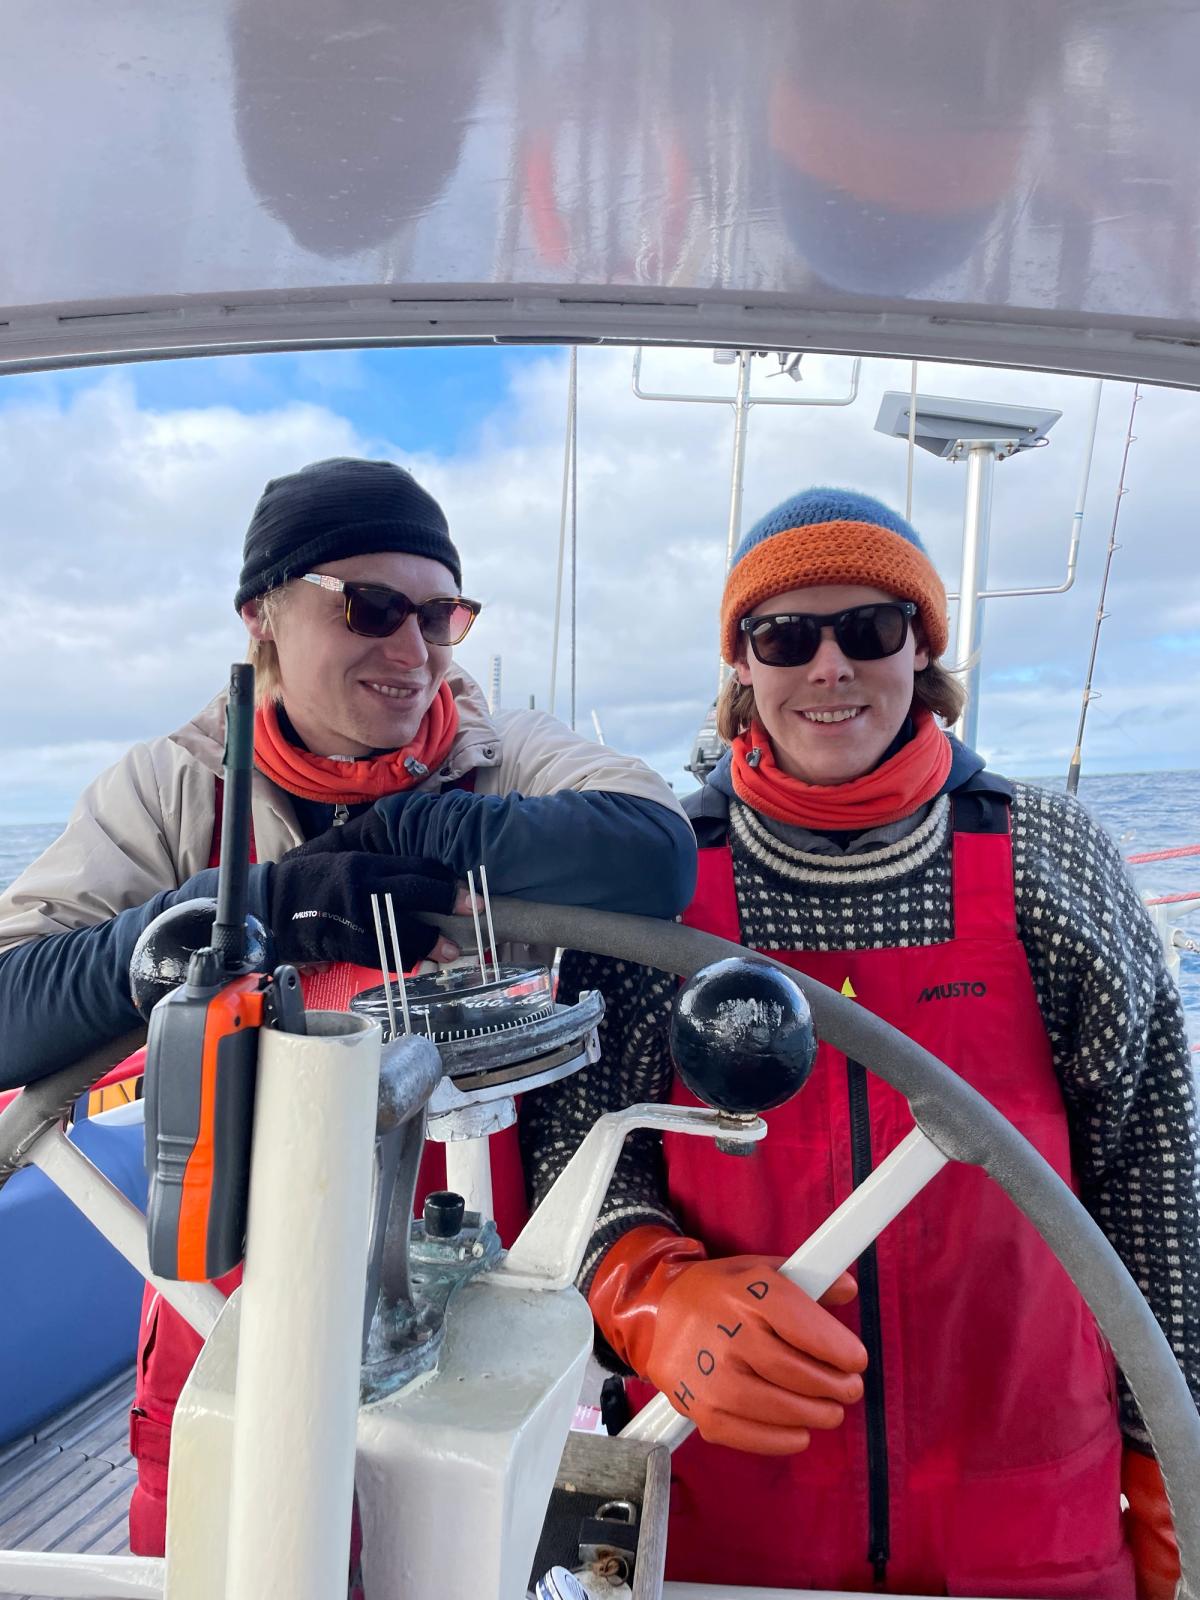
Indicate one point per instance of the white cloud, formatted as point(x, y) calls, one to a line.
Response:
point(123, 526)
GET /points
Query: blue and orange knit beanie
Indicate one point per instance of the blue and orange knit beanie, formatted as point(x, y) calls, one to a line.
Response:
point(828, 536)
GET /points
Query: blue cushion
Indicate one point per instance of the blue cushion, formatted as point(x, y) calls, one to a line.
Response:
point(71, 1302)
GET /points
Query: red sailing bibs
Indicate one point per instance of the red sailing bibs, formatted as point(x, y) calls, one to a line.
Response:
point(985, 1457)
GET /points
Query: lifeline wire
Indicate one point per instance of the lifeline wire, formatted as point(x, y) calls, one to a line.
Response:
point(912, 444)
point(574, 528)
point(567, 509)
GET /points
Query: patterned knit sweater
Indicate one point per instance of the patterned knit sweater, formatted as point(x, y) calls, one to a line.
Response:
point(1112, 1013)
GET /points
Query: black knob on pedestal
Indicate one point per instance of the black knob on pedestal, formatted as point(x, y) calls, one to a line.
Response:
point(160, 958)
point(442, 1214)
point(742, 1036)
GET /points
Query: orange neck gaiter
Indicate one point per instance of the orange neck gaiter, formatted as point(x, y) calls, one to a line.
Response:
point(351, 782)
point(893, 790)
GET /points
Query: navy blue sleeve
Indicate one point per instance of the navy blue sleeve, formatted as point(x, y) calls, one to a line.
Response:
point(591, 848)
point(67, 994)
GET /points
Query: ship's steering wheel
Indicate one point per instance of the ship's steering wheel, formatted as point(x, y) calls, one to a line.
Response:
point(964, 1127)
point(953, 1116)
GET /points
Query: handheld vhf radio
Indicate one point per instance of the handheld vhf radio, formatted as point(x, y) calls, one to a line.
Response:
point(202, 1051)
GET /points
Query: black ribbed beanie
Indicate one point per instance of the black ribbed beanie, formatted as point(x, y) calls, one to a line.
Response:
point(338, 508)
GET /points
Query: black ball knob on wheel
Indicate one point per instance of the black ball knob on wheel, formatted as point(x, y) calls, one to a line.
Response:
point(160, 957)
point(742, 1037)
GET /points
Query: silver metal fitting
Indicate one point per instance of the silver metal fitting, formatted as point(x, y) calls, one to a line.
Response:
point(733, 1119)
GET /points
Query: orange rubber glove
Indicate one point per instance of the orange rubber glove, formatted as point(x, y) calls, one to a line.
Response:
point(740, 1351)
point(1149, 1529)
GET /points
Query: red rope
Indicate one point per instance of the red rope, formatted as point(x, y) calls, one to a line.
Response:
point(1174, 899)
point(1164, 855)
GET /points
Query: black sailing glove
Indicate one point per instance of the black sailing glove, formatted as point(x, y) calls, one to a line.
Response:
point(320, 905)
point(367, 831)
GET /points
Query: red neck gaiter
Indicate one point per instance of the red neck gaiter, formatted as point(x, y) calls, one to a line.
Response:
point(350, 782)
point(893, 790)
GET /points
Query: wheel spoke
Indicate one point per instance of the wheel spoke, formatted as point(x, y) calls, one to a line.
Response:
point(824, 1255)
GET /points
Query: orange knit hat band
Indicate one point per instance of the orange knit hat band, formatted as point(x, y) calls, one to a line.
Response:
point(842, 552)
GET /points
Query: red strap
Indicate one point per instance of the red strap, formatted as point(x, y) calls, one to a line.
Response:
point(714, 905)
point(984, 899)
point(149, 1440)
point(214, 849)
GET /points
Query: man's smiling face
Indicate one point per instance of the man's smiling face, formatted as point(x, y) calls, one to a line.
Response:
point(344, 694)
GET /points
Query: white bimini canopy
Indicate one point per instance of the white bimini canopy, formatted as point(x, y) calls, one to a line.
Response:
point(1011, 183)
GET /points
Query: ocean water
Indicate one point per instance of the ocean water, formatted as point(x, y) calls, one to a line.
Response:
point(1143, 811)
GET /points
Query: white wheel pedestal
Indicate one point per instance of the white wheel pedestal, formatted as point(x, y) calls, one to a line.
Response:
point(260, 1492)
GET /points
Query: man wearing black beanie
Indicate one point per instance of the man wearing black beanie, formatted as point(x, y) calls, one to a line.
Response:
point(378, 769)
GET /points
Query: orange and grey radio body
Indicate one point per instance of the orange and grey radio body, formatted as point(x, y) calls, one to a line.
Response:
point(202, 1048)
point(201, 1067)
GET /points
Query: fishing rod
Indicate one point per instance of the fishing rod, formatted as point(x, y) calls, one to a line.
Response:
point(1113, 547)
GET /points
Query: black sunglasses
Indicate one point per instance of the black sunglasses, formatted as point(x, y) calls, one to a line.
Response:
point(376, 611)
point(863, 633)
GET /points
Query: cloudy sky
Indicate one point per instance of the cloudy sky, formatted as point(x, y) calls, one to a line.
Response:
point(128, 492)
